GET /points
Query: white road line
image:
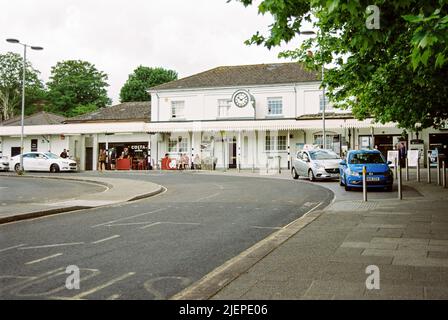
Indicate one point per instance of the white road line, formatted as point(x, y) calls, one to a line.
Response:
point(10, 248)
point(127, 218)
point(168, 222)
point(114, 297)
point(45, 258)
point(274, 228)
point(52, 245)
point(125, 224)
point(208, 197)
point(107, 284)
point(110, 238)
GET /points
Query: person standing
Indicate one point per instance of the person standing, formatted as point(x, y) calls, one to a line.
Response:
point(102, 159)
point(64, 154)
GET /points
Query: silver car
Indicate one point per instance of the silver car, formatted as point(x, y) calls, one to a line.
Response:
point(316, 164)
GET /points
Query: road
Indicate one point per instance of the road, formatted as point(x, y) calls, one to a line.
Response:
point(14, 190)
point(152, 248)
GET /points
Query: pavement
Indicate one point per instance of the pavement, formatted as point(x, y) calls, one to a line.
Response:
point(46, 195)
point(329, 255)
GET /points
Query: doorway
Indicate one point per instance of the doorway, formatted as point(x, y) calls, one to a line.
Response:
point(89, 159)
point(232, 154)
point(15, 151)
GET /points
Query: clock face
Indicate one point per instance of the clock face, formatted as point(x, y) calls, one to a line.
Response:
point(241, 99)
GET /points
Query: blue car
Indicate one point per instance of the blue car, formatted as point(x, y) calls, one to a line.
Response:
point(378, 173)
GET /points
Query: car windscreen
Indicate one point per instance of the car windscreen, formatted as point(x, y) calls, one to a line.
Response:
point(323, 155)
point(51, 155)
point(362, 158)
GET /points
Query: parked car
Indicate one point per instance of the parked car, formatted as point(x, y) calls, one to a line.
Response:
point(4, 164)
point(378, 173)
point(43, 161)
point(316, 164)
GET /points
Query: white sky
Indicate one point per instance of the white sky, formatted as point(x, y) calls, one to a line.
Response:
point(188, 36)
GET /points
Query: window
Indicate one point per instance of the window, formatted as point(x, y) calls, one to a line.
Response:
point(223, 107)
point(33, 145)
point(277, 143)
point(328, 106)
point(275, 106)
point(178, 145)
point(332, 142)
point(177, 109)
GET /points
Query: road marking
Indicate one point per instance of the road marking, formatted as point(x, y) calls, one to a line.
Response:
point(127, 218)
point(168, 222)
point(126, 224)
point(45, 258)
point(114, 297)
point(107, 284)
point(10, 248)
point(208, 197)
point(105, 239)
point(274, 228)
point(52, 245)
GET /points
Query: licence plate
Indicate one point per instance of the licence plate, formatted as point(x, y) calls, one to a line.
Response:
point(373, 179)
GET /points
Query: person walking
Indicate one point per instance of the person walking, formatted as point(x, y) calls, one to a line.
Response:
point(102, 160)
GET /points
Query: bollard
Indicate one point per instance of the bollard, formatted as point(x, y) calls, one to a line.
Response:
point(364, 183)
point(279, 165)
point(443, 174)
point(395, 168)
point(418, 169)
point(439, 180)
point(407, 169)
point(400, 191)
point(429, 169)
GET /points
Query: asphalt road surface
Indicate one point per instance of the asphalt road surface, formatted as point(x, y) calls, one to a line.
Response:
point(152, 248)
point(14, 190)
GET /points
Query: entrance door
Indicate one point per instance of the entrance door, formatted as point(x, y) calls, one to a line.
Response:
point(232, 154)
point(384, 143)
point(439, 141)
point(89, 159)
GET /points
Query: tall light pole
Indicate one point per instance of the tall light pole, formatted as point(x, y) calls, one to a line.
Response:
point(23, 93)
point(324, 134)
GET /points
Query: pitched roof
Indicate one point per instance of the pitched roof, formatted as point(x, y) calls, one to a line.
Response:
point(245, 75)
point(126, 111)
point(39, 118)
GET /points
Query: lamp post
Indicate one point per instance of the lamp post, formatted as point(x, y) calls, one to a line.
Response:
point(23, 93)
point(324, 134)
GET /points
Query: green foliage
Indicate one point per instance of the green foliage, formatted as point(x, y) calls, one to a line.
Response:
point(11, 74)
point(82, 109)
point(75, 83)
point(396, 73)
point(143, 78)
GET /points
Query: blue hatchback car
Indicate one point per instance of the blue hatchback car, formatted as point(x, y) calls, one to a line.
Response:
point(378, 173)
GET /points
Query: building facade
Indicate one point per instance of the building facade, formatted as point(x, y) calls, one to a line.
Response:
point(247, 117)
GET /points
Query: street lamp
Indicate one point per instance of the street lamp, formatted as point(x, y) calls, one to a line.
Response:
point(324, 135)
point(23, 93)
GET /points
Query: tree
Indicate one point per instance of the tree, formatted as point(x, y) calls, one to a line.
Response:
point(76, 83)
point(143, 78)
point(11, 74)
point(396, 72)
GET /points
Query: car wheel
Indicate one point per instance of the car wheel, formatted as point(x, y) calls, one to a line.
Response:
point(311, 175)
point(54, 168)
point(294, 174)
point(17, 167)
point(347, 188)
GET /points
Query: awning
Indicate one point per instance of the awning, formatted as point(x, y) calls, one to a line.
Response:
point(261, 125)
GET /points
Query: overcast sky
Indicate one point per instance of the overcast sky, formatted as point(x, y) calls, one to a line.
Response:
point(188, 36)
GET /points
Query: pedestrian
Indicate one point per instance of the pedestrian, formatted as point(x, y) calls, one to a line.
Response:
point(197, 162)
point(64, 154)
point(102, 159)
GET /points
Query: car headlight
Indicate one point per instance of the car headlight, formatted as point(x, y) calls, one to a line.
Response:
point(353, 173)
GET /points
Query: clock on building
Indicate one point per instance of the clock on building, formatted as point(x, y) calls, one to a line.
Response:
point(241, 98)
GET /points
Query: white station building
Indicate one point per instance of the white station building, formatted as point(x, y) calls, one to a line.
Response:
point(247, 117)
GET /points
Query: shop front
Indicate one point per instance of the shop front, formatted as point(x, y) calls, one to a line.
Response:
point(124, 155)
